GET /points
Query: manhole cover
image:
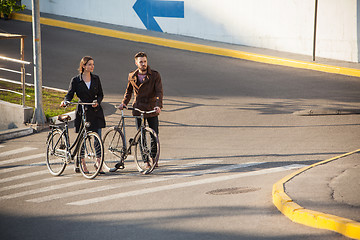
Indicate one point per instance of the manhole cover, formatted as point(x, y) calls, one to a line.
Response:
point(235, 190)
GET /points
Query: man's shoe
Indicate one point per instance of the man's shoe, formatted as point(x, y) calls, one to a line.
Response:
point(77, 170)
point(119, 165)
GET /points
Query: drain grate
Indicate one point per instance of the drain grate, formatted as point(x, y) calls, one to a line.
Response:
point(235, 190)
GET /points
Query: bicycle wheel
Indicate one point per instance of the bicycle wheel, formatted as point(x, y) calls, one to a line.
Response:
point(56, 153)
point(114, 145)
point(147, 150)
point(90, 155)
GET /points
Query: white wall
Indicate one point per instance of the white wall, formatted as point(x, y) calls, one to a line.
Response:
point(284, 25)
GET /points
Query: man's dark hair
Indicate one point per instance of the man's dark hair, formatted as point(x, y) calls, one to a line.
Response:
point(140, 54)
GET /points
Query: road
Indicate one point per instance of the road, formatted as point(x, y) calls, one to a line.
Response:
point(228, 133)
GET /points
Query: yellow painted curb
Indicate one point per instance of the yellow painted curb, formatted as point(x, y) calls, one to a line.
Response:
point(298, 214)
point(192, 46)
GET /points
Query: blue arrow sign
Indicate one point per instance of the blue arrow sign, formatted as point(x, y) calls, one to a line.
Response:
point(148, 9)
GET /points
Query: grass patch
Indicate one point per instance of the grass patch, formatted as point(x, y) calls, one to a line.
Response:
point(51, 98)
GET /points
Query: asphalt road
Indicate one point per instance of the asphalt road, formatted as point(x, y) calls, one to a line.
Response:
point(227, 124)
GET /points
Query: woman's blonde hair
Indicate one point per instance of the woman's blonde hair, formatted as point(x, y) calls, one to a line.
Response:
point(83, 62)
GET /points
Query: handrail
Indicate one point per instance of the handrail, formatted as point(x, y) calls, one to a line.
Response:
point(8, 90)
point(13, 71)
point(14, 60)
point(21, 61)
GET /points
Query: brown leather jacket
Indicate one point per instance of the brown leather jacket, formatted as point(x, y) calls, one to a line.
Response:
point(148, 94)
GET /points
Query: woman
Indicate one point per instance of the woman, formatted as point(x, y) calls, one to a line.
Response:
point(87, 87)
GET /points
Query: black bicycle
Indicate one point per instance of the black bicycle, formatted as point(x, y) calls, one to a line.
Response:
point(145, 142)
point(87, 148)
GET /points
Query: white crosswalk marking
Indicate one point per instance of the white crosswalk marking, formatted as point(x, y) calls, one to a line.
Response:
point(182, 185)
point(141, 182)
point(12, 169)
point(19, 150)
point(26, 175)
point(44, 189)
point(14, 160)
point(32, 183)
point(60, 191)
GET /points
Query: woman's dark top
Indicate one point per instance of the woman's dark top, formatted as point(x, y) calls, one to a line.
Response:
point(93, 115)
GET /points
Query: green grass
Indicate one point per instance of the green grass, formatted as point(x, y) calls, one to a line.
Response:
point(51, 98)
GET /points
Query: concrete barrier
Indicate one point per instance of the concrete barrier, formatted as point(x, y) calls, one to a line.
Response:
point(14, 116)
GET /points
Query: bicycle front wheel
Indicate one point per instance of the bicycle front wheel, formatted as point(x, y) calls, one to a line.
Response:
point(147, 150)
point(114, 147)
point(56, 152)
point(91, 155)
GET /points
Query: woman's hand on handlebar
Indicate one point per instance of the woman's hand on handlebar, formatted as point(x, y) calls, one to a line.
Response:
point(95, 104)
point(64, 104)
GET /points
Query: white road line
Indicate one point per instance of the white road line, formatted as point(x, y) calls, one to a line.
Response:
point(17, 177)
point(189, 165)
point(11, 169)
point(44, 189)
point(19, 150)
point(32, 183)
point(14, 160)
point(141, 182)
point(184, 184)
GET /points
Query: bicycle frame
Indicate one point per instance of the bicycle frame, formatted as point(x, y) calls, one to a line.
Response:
point(145, 142)
point(121, 126)
point(73, 148)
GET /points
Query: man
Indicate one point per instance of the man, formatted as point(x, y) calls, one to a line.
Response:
point(146, 85)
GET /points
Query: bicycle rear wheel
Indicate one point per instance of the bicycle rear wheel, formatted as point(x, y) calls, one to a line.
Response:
point(147, 150)
point(91, 155)
point(56, 153)
point(114, 147)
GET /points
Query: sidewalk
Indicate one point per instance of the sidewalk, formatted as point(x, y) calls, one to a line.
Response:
point(325, 195)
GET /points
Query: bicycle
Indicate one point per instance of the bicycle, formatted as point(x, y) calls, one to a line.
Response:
point(87, 147)
point(145, 142)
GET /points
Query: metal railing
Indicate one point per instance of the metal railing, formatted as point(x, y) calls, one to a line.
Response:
point(18, 61)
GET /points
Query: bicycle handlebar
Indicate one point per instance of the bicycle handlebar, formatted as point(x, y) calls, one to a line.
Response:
point(136, 109)
point(79, 103)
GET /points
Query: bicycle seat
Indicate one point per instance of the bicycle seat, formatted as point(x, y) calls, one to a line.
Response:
point(64, 118)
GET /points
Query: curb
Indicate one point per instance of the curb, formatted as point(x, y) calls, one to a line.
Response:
point(192, 46)
point(16, 132)
point(298, 214)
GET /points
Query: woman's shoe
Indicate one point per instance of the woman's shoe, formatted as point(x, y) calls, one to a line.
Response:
point(96, 167)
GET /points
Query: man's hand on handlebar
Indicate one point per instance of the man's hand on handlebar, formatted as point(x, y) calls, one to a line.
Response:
point(157, 109)
point(121, 106)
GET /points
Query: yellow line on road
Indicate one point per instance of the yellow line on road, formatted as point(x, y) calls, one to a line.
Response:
point(311, 218)
point(192, 46)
